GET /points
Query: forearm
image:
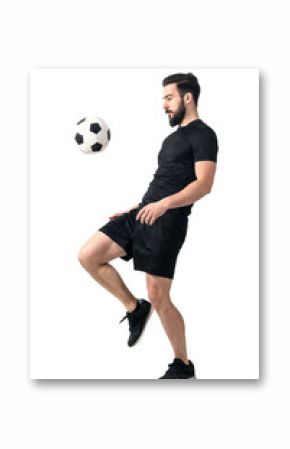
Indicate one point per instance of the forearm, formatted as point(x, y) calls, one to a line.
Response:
point(187, 196)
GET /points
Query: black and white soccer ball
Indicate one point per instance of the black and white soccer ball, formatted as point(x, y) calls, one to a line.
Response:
point(92, 134)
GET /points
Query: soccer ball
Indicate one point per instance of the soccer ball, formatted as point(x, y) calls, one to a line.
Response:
point(93, 134)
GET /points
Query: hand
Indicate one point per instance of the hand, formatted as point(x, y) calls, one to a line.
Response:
point(149, 213)
point(117, 214)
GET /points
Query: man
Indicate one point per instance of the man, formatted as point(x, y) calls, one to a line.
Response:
point(153, 232)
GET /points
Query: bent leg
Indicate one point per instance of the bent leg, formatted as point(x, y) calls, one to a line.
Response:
point(158, 292)
point(94, 257)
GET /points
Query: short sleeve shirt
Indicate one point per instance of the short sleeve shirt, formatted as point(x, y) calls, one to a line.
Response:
point(176, 160)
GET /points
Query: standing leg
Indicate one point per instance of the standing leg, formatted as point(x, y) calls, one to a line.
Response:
point(158, 292)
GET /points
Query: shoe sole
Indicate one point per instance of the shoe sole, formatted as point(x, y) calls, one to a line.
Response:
point(185, 378)
point(145, 323)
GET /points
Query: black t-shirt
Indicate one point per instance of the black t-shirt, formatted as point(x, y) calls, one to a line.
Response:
point(179, 151)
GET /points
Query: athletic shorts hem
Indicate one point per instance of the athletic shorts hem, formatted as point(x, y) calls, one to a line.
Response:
point(154, 272)
point(119, 242)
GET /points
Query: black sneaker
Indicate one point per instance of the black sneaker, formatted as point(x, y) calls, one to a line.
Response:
point(179, 370)
point(137, 320)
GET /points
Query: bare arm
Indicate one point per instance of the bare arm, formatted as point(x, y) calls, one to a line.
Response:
point(205, 172)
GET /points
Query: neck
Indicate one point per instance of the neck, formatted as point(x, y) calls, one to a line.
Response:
point(189, 118)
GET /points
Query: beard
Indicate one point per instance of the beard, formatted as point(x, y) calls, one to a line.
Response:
point(177, 116)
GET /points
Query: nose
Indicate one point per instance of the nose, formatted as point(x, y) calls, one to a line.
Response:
point(165, 105)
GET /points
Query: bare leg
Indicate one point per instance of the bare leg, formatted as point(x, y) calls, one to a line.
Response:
point(174, 327)
point(94, 258)
point(108, 277)
point(170, 317)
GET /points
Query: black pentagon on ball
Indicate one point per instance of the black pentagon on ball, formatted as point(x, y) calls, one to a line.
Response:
point(79, 138)
point(96, 147)
point(81, 121)
point(95, 128)
point(109, 134)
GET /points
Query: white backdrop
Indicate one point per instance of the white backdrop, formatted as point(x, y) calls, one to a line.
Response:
point(92, 414)
point(74, 322)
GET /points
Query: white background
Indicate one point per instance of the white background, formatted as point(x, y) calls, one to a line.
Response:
point(72, 194)
point(90, 413)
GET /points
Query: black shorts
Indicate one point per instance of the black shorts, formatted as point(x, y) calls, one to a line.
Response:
point(154, 248)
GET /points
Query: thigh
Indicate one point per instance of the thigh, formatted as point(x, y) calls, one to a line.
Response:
point(121, 231)
point(101, 248)
point(158, 285)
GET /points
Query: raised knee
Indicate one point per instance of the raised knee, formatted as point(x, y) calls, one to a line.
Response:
point(85, 258)
point(82, 257)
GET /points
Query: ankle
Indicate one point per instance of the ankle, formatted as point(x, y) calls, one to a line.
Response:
point(184, 359)
point(132, 306)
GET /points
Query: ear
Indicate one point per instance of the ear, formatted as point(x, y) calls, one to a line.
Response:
point(187, 97)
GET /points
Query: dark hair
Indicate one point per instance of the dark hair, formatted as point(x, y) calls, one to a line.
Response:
point(185, 82)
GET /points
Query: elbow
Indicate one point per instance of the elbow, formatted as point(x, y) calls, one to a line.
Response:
point(207, 190)
point(205, 187)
